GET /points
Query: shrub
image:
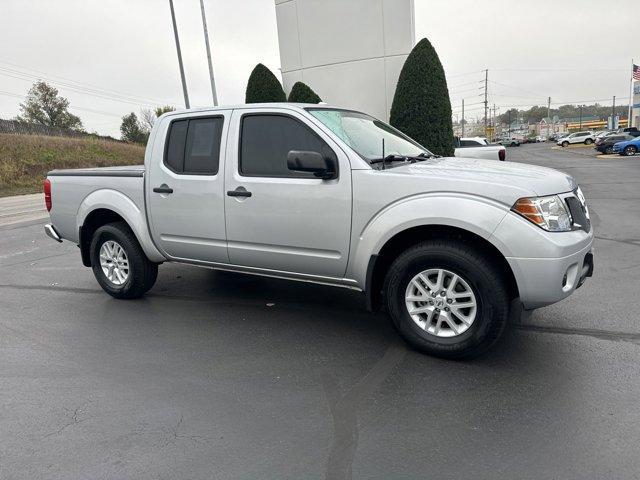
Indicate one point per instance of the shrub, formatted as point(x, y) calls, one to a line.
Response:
point(421, 107)
point(263, 86)
point(302, 93)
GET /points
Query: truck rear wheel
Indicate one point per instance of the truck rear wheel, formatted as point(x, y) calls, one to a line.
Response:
point(119, 263)
point(446, 299)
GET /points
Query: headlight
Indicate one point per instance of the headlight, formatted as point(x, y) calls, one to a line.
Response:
point(549, 212)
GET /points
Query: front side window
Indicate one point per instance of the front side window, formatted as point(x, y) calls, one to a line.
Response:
point(266, 139)
point(193, 146)
point(364, 134)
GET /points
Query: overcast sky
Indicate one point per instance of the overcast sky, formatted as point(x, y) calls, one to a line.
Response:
point(111, 57)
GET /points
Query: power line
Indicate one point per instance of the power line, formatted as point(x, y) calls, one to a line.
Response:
point(17, 95)
point(65, 86)
point(559, 69)
point(83, 85)
point(463, 74)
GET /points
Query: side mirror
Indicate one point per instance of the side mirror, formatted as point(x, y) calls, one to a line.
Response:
point(311, 162)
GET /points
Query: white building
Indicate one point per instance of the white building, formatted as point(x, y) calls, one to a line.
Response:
point(350, 52)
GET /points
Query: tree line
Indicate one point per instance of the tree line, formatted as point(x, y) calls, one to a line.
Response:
point(564, 112)
point(45, 106)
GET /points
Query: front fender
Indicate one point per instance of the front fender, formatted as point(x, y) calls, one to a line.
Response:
point(477, 215)
point(121, 204)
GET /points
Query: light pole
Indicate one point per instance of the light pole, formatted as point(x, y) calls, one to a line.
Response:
point(206, 43)
point(175, 33)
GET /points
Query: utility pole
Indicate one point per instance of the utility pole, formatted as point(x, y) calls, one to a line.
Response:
point(175, 33)
point(613, 114)
point(629, 119)
point(494, 124)
point(509, 127)
point(462, 122)
point(206, 44)
point(486, 103)
point(548, 114)
point(580, 117)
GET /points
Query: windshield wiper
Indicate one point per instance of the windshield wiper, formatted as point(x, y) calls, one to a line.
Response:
point(428, 155)
point(396, 158)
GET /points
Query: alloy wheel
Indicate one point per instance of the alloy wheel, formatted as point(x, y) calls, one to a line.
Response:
point(114, 262)
point(441, 302)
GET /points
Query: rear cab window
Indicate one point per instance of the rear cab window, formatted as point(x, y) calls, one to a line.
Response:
point(193, 145)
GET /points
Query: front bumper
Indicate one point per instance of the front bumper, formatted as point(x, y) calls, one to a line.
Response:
point(543, 281)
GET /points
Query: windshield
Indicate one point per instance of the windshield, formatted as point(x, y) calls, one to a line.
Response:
point(365, 134)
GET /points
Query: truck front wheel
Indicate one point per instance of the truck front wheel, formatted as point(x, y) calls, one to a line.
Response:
point(447, 299)
point(119, 263)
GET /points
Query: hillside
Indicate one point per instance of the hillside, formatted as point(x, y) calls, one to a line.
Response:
point(25, 159)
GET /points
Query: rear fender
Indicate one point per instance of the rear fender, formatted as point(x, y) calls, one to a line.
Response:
point(119, 203)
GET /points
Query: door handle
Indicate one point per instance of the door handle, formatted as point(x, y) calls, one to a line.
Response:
point(239, 192)
point(164, 188)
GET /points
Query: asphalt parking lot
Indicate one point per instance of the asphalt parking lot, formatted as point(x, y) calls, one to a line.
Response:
point(218, 375)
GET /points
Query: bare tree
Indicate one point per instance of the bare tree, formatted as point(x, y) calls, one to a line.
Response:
point(45, 107)
point(148, 117)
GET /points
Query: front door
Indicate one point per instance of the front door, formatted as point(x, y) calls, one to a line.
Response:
point(292, 221)
point(185, 187)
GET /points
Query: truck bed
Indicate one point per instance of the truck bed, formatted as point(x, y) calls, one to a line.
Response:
point(73, 190)
point(121, 171)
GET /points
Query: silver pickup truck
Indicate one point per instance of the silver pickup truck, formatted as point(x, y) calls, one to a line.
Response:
point(449, 246)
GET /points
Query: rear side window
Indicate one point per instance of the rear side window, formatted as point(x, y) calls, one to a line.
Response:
point(193, 146)
point(470, 143)
point(267, 139)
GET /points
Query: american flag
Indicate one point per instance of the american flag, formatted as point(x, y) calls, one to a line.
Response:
point(636, 72)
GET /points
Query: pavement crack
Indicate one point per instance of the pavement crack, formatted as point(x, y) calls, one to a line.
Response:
point(344, 408)
point(73, 418)
point(611, 335)
point(629, 241)
point(51, 288)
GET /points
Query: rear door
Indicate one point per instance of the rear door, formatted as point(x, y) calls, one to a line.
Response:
point(292, 221)
point(185, 188)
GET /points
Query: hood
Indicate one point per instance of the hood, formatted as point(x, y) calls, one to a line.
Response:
point(484, 176)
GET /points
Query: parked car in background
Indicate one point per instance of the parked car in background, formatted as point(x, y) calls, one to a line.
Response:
point(541, 138)
point(478, 147)
point(628, 147)
point(605, 144)
point(554, 137)
point(600, 134)
point(601, 138)
point(585, 137)
point(450, 246)
point(633, 131)
point(509, 142)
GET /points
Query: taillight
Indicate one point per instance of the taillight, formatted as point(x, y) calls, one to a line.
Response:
point(47, 193)
point(502, 154)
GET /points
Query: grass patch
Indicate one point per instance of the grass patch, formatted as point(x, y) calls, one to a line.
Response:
point(26, 159)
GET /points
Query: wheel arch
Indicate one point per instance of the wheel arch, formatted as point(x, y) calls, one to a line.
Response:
point(380, 262)
point(107, 206)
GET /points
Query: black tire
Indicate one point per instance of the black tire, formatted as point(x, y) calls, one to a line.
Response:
point(588, 141)
point(486, 281)
point(142, 272)
point(565, 144)
point(608, 150)
point(630, 150)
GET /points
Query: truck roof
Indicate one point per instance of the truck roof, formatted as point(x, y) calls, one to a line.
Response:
point(290, 105)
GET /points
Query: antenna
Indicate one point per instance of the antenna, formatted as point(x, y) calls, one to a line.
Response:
point(383, 157)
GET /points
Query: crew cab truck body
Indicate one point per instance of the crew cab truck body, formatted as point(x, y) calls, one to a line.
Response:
point(478, 147)
point(447, 245)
